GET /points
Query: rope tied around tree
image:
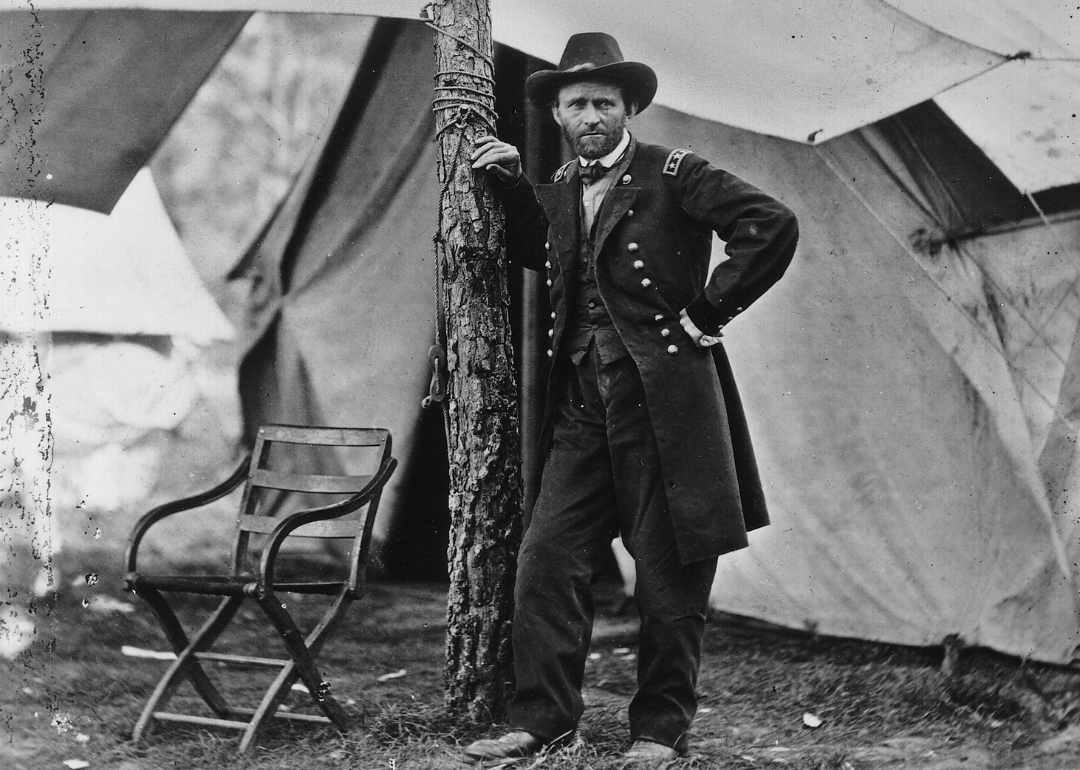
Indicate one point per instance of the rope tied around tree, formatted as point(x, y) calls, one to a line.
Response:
point(461, 107)
point(465, 107)
point(483, 109)
point(456, 97)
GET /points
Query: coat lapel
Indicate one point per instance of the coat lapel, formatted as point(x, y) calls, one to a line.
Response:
point(617, 202)
point(560, 202)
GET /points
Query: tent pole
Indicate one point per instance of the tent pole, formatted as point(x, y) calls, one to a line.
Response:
point(530, 386)
point(542, 153)
point(531, 383)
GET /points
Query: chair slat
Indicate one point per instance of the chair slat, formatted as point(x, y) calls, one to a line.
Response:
point(232, 585)
point(264, 525)
point(308, 482)
point(245, 660)
point(294, 434)
point(347, 528)
point(259, 525)
point(193, 719)
point(283, 715)
point(271, 492)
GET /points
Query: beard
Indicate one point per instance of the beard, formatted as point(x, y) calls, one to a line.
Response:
point(594, 145)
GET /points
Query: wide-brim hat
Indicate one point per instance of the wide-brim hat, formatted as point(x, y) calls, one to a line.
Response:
point(593, 56)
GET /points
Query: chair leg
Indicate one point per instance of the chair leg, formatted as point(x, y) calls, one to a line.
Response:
point(276, 693)
point(186, 664)
point(302, 657)
point(329, 623)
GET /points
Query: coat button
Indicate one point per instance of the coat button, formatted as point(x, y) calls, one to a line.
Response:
point(646, 282)
point(548, 282)
point(629, 212)
point(626, 179)
point(553, 316)
point(665, 332)
point(638, 264)
point(738, 310)
point(658, 317)
point(547, 265)
point(552, 353)
point(672, 349)
point(551, 332)
point(631, 247)
point(547, 245)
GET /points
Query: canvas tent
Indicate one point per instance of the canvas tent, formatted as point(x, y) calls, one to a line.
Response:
point(121, 342)
point(120, 338)
point(911, 383)
point(806, 73)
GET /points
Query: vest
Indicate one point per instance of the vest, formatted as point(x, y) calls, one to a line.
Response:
point(588, 321)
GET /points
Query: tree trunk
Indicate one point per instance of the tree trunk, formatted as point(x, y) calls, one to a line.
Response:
point(481, 402)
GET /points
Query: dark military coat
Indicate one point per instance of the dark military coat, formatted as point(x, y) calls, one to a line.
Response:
point(653, 240)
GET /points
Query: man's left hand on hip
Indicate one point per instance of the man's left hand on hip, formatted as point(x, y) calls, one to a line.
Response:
point(700, 339)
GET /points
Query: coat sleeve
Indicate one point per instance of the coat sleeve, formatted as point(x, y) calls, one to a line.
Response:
point(526, 225)
point(760, 233)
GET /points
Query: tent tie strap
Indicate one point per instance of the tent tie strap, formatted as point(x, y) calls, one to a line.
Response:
point(437, 388)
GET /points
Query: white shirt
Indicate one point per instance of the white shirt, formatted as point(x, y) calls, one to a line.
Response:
point(609, 160)
point(592, 193)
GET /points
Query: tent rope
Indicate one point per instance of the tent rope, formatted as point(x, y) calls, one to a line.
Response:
point(1003, 296)
point(995, 343)
point(1049, 226)
point(1065, 250)
point(460, 41)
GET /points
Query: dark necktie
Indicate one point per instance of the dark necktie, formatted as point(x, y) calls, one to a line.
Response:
point(593, 172)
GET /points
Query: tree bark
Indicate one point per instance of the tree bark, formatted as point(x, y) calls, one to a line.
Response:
point(481, 403)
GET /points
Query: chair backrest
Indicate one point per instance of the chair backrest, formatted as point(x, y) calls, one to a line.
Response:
point(296, 468)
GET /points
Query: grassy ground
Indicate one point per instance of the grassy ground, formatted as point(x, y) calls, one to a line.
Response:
point(76, 696)
point(880, 706)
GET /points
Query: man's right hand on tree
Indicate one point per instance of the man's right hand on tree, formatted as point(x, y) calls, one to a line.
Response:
point(501, 160)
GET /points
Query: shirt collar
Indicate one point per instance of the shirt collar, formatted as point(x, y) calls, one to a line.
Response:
point(612, 157)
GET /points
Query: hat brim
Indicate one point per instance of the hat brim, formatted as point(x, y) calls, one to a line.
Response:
point(543, 87)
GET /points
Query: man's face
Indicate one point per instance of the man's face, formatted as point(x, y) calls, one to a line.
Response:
point(592, 116)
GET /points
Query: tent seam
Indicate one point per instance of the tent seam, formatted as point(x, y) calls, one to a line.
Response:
point(915, 19)
point(997, 344)
point(1059, 550)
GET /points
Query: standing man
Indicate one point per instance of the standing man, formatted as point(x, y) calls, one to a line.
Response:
point(644, 434)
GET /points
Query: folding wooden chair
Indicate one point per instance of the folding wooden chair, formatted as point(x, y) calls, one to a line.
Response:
point(351, 514)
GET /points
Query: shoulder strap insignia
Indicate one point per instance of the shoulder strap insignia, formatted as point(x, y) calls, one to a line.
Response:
point(562, 172)
point(674, 160)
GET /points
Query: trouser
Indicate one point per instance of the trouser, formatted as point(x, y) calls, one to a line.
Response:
point(602, 478)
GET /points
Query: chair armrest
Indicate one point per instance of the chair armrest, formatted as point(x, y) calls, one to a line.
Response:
point(176, 506)
point(336, 510)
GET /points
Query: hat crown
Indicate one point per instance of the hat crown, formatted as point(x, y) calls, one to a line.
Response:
point(593, 56)
point(590, 48)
